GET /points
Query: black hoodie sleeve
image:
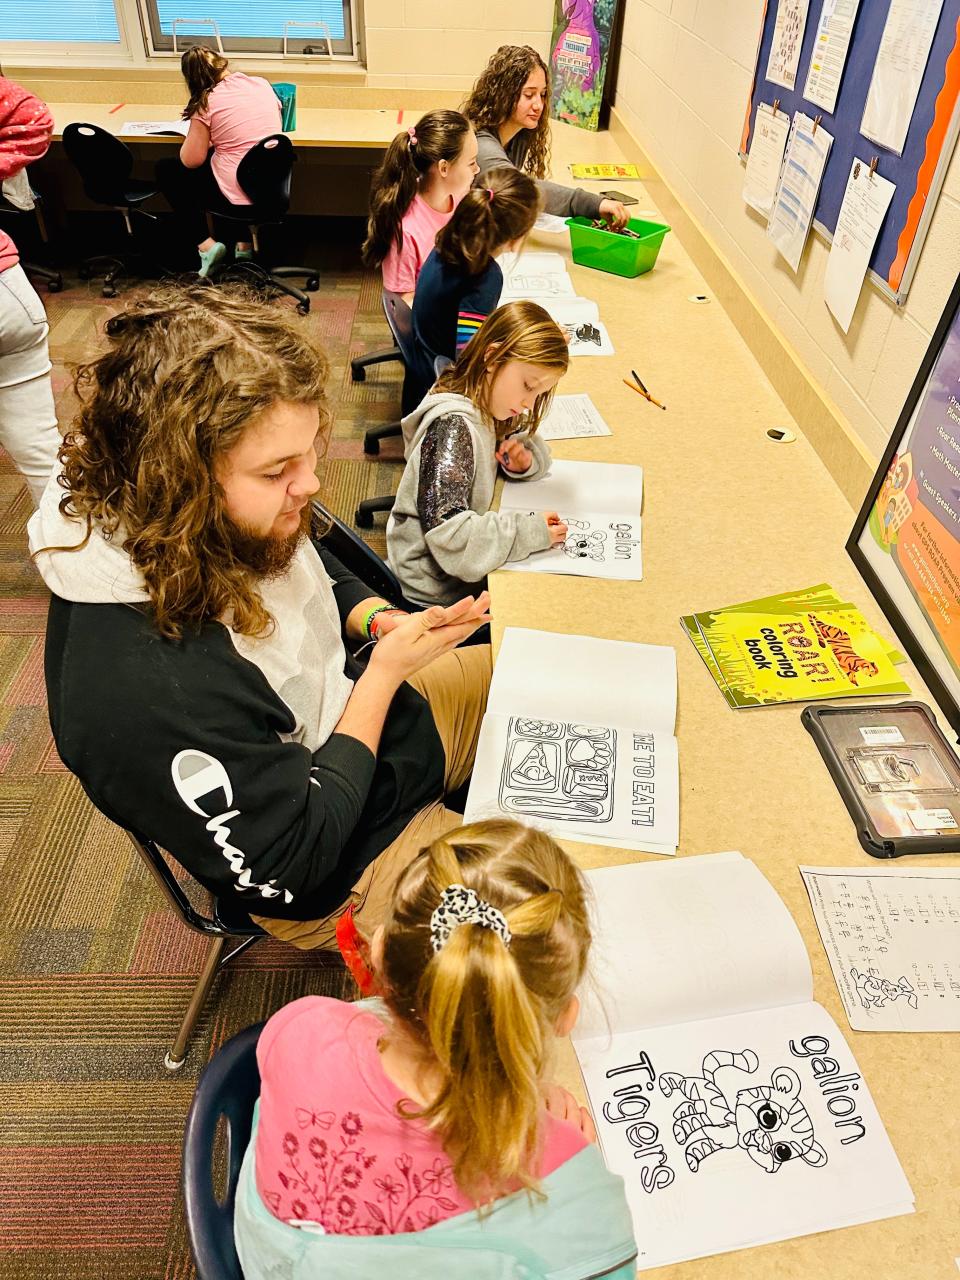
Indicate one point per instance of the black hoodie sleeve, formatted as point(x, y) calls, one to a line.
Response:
point(184, 742)
point(348, 589)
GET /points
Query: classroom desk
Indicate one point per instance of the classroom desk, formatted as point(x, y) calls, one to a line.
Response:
point(729, 515)
point(350, 128)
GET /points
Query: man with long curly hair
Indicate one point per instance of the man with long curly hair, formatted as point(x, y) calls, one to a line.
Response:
point(508, 109)
point(197, 676)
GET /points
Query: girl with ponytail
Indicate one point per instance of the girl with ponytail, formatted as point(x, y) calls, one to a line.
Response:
point(229, 112)
point(426, 172)
point(432, 1110)
point(461, 281)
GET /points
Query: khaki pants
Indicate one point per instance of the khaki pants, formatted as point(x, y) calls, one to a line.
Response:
point(456, 688)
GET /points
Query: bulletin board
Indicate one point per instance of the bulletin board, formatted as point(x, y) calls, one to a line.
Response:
point(918, 173)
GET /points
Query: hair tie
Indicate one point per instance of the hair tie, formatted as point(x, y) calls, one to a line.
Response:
point(460, 905)
point(490, 194)
point(412, 135)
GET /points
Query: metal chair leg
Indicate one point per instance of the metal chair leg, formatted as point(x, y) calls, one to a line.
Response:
point(176, 1057)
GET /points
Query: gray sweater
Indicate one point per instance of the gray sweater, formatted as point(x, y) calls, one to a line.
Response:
point(442, 537)
point(566, 202)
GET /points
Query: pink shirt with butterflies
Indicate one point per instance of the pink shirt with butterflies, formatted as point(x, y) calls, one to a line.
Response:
point(331, 1148)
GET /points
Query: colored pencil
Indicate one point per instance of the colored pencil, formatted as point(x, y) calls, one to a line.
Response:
point(646, 394)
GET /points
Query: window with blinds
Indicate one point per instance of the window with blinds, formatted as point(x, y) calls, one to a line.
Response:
point(247, 27)
point(86, 21)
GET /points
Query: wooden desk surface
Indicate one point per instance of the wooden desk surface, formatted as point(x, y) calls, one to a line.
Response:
point(350, 128)
point(729, 515)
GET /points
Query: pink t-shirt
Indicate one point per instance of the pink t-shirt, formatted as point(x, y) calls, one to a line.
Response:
point(331, 1147)
point(240, 111)
point(420, 226)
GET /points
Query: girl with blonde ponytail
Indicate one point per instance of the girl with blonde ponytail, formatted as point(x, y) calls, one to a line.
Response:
point(426, 172)
point(432, 1111)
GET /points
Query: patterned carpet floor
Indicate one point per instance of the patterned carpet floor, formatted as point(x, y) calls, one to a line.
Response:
point(95, 971)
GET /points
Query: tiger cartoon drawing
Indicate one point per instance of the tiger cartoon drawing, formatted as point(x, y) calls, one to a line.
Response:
point(850, 662)
point(581, 546)
point(768, 1121)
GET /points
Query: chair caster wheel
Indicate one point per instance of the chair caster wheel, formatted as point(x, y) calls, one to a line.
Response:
point(357, 372)
point(54, 286)
point(303, 307)
point(371, 446)
point(363, 519)
point(108, 291)
point(313, 284)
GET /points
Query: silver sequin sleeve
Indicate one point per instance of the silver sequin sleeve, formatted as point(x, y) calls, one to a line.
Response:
point(446, 471)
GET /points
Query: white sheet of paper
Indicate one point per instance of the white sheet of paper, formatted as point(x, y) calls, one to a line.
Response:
point(551, 223)
point(765, 159)
point(898, 71)
point(601, 504)
point(865, 204)
point(892, 937)
point(579, 779)
point(556, 674)
point(580, 319)
point(536, 286)
point(692, 1194)
point(153, 128)
point(572, 416)
point(787, 41)
point(800, 179)
point(667, 971)
point(830, 49)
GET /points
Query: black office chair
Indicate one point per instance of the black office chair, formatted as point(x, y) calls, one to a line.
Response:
point(227, 1089)
point(400, 319)
point(53, 279)
point(360, 364)
point(355, 555)
point(105, 164)
point(224, 922)
point(264, 174)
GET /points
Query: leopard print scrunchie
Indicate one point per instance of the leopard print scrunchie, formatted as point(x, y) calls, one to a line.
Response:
point(460, 905)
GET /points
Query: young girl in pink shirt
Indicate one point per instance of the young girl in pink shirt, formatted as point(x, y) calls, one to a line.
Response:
point(414, 1113)
point(427, 171)
point(230, 112)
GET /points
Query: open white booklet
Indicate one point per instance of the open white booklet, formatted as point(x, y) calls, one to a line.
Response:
point(579, 318)
point(600, 503)
point(728, 1101)
point(154, 128)
point(536, 276)
point(584, 758)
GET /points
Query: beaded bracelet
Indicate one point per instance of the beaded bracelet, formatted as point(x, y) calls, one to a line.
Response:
point(368, 621)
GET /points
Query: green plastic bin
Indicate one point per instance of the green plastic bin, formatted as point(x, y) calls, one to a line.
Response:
point(621, 255)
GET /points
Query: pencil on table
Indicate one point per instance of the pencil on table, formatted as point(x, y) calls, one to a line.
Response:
point(646, 394)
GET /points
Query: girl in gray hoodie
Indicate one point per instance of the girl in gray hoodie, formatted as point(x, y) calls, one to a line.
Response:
point(480, 417)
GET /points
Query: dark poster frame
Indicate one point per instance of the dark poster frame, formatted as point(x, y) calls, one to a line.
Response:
point(915, 644)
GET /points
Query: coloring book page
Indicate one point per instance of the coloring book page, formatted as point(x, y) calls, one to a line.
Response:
point(579, 318)
point(557, 747)
point(893, 941)
point(597, 783)
point(571, 416)
point(600, 503)
point(739, 1131)
point(535, 276)
point(557, 674)
point(727, 1100)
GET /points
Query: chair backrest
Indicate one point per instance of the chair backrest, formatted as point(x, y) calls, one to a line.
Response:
point(103, 162)
point(227, 919)
point(400, 319)
point(355, 554)
point(264, 174)
point(228, 1087)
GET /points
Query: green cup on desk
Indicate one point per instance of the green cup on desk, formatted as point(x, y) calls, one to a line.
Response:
point(287, 93)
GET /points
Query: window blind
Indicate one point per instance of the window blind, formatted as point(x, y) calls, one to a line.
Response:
point(93, 21)
point(263, 20)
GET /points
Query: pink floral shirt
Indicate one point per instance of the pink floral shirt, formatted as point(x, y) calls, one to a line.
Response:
point(331, 1148)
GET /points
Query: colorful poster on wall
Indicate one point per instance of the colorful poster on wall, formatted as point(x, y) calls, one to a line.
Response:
point(916, 516)
point(578, 59)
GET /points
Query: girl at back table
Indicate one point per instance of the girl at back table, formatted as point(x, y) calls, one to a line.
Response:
point(230, 112)
point(461, 280)
point(429, 1114)
point(508, 108)
point(441, 532)
point(427, 171)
